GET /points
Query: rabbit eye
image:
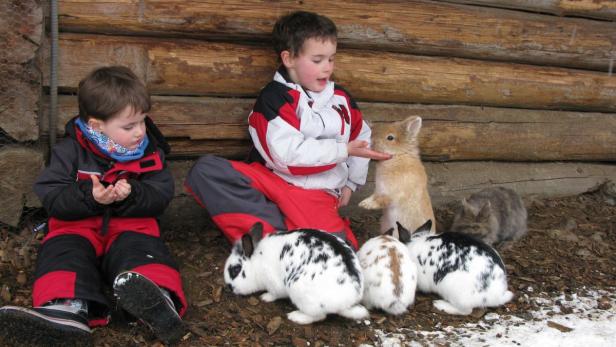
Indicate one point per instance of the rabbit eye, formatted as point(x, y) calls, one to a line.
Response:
point(390, 137)
point(234, 271)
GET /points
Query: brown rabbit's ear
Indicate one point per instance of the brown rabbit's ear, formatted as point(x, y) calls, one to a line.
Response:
point(413, 126)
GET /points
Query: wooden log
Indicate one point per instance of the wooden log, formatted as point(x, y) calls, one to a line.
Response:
point(199, 68)
point(218, 125)
point(20, 83)
point(418, 27)
point(19, 167)
point(602, 9)
point(450, 182)
point(453, 181)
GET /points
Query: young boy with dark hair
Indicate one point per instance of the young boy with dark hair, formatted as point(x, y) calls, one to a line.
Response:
point(103, 188)
point(311, 144)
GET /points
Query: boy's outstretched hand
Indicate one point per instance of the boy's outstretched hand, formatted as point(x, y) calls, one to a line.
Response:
point(358, 148)
point(102, 195)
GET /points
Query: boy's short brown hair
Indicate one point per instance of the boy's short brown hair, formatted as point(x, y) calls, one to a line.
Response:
point(291, 31)
point(108, 90)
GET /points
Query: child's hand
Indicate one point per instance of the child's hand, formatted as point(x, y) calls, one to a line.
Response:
point(122, 189)
point(360, 148)
point(345, 196)
point(102, 195)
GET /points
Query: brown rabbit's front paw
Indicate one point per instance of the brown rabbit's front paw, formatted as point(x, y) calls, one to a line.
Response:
point(370, 203)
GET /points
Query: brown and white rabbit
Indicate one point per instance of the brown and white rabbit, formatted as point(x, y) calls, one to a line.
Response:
point(401, 187)
point(494, 215)
point(390, 275)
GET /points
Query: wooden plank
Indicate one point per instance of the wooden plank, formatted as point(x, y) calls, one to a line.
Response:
point(189, 67)
point(450, 182)
point(453, 181)
point(602, 9)
point(418, 27)
point(218, 125)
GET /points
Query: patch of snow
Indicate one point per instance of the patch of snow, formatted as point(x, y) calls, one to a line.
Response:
point(585, 325)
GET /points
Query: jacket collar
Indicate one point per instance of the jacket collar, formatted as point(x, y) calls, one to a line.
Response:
point(155, 137)
point(316, 100)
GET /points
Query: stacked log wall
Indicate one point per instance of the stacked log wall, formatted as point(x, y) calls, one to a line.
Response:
point(503, 88)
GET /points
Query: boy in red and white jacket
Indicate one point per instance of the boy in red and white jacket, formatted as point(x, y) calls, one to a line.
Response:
point(104, 187)
point(311, 144)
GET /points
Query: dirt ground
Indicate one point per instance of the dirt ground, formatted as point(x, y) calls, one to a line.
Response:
point(570, 246)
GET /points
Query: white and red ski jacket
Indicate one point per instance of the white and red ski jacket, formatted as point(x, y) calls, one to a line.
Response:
point(302, 136)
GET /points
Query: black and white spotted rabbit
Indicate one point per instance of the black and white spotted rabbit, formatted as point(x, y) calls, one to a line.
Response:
point(464, 271)
point(316, 270)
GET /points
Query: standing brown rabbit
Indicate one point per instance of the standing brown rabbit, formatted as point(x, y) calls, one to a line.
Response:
point(401, 182)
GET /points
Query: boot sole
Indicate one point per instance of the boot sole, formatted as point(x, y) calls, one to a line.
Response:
point(143, 299)
point(22, 327)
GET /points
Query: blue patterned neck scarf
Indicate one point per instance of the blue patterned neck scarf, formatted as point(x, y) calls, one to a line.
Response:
point(109, 147)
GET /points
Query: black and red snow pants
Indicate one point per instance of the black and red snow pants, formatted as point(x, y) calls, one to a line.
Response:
point(75, 261)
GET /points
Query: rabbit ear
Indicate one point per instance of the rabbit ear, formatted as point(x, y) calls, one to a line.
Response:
point(390, 232)
point(403, 230)
point(427, 226)
point(413, 125)
point(247, 245)
point(485, 211)
point(403, 234)
point(254, 233)
point(469, 208)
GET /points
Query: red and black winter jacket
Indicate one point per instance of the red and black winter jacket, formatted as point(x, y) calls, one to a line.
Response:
point(65, 188)
point(302, 136)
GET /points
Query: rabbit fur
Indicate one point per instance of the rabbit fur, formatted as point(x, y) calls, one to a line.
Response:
point(390, 275)
point(495, 215)
point(401, 183)
point(465, 272)
point(316, 270)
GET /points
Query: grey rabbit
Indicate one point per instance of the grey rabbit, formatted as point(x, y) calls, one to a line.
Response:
point(494, 215)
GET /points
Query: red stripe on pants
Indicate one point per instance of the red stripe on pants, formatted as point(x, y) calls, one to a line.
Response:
point(234, 225)
point(53, 285)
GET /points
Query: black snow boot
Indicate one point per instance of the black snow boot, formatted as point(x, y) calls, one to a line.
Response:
point(41, 326)
point(143, 299)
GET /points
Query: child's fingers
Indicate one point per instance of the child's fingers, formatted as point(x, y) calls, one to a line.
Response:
point(122, 190)
point(109, 192)
point(124, 185)
point(96, 183)
point(377, 155)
